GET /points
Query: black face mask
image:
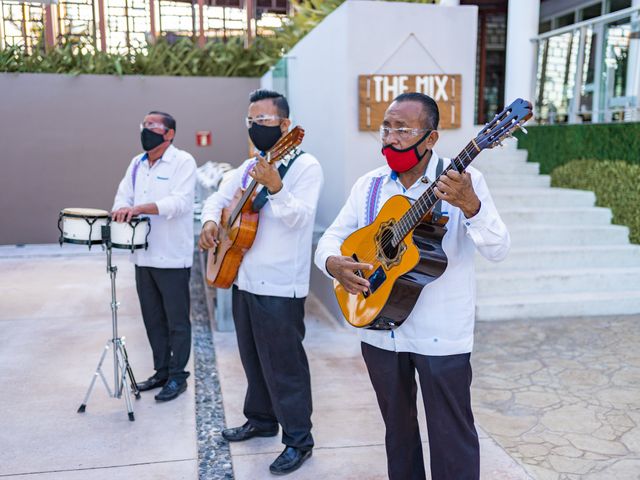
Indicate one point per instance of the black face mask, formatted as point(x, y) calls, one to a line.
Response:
point(150, 139)
point(264, 137)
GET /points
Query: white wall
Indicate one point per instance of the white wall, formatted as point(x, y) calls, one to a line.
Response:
point(362, 38)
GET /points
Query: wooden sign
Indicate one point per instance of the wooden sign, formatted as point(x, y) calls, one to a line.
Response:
point(376, 92)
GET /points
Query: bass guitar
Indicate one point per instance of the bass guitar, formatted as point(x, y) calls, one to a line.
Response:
point(404, 246)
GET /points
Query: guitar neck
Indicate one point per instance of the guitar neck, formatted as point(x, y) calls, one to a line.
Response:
point(428, 199)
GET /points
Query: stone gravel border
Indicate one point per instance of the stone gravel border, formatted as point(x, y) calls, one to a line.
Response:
point(214, 458)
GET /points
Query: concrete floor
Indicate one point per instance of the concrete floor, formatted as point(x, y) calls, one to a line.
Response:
point(553, 400)
point(348, 427)
point(55, 319)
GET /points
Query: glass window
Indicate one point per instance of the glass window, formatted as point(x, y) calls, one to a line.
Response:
point(556, 76)
point(565, 20)
point(544, 26)
point(615, 5)
point(616, 98)
point(591, 11)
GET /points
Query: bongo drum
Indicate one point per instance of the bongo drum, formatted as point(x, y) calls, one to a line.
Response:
point(82, 226)
point(130, 235)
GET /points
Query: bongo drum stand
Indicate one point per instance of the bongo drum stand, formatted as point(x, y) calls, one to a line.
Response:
point(123, 378)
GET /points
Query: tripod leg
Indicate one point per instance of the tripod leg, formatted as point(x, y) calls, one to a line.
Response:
point(132, 379)
point(124, 383)
point(98, 371)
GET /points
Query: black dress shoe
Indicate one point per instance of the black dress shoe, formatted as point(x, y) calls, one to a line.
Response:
point(289, 460)
point(171, 390)
point(151, 383)
point(245, 432)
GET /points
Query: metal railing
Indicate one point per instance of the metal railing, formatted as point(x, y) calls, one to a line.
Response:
point(590, 71)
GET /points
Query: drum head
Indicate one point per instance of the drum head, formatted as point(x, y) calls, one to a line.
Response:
point(85, 212)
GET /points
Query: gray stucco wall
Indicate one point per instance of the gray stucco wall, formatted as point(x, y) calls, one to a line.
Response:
point(66, 141)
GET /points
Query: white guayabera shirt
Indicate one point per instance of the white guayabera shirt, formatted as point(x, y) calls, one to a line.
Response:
point(170, 184)
point(279, 261)
point(442, 321)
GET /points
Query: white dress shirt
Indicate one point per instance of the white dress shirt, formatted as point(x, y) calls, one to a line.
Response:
point(170, 184)
point(278, 264)
point(442, 321)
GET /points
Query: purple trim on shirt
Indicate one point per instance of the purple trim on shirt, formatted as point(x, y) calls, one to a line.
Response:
point(245, 175)
point(134, 172)
point(373, 198)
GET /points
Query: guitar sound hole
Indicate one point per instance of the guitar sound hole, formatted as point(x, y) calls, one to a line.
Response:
point(388, 249)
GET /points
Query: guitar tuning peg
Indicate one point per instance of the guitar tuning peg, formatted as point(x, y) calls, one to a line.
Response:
point(524, 130)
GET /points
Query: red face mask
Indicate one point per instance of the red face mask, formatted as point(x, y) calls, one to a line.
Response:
point(402, 160)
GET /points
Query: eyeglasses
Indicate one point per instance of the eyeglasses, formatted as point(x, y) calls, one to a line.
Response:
point(403, 133)
point(261, 120)
point(152, 126)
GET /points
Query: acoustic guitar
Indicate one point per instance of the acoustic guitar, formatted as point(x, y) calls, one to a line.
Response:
point(404, 245)
point(239, 222)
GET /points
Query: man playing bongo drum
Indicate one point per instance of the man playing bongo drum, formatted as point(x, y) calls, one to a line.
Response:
point(160, 183)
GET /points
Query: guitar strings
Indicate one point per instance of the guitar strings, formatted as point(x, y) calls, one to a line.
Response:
point(404, 222)
point(388, 236)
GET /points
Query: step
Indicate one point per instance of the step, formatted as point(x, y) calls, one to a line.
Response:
point(556, 216)
point(525, 236)
point(505, 198)
point(590, 256)
point(507, 166)
point(507, 180)
point(558, 305)
point(503, 153)
point(556, 281)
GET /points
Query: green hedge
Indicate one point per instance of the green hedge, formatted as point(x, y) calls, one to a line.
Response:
point(184, 58)
point(555, 145)
point(615, 183)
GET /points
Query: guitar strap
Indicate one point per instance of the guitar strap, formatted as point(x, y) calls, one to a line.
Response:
point(436, 213)
point(261, 198)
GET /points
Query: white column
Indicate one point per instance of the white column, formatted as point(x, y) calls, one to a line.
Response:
point(522, 25)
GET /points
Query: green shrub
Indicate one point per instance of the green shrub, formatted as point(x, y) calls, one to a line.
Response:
point(615, 183)
point(183, 58)
point(555, 145)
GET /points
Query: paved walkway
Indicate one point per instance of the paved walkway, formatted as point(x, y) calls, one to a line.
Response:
point(54, 321)
point(562, 396)
point(348, 427)
point(556, 400)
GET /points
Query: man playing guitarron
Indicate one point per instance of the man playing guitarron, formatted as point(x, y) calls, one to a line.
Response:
point(272, 283)
point(437, 337)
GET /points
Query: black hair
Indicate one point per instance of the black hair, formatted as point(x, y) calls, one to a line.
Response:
point(429, 107)
point(278, 100)
point(167, 120)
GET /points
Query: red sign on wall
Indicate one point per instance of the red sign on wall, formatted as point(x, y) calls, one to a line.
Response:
point(203, 138)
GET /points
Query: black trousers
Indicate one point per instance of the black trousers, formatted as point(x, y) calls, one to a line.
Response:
point(445, 383)
point(164, 300)
point(270, 331)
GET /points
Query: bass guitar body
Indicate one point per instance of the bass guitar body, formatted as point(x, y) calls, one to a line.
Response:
point(234, 240)
point(399, 274)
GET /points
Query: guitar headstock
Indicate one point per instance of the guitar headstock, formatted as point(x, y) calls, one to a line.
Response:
point(503, 124)
point(286, 144)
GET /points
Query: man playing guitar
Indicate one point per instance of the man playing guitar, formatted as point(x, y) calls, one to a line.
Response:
point(272, 283)
point(437, 337)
